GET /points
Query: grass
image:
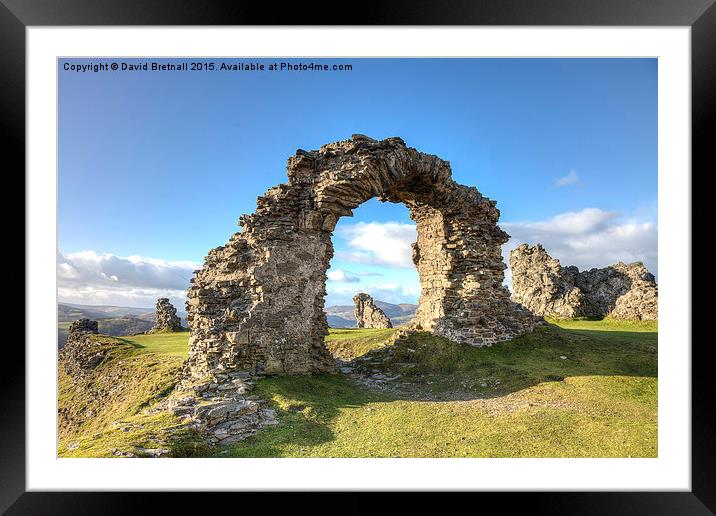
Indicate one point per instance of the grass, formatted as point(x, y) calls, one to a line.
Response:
point(167, 343)
point(328, 417)
point(350, 343)
point(607, 325)
point(571, 389)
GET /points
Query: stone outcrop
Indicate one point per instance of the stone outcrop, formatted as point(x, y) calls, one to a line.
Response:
point(544, 286)
point(82, 352)
point(368, 314)
point(83, 326)
point(257, 303)
point(166, 318)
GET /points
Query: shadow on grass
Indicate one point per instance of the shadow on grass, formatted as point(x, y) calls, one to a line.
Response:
point(433, 368)
point(306, 406)
point(428, 368)
point(133, 343)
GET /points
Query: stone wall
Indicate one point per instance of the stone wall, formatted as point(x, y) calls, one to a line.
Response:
point(547, 288)
point(368, 315)
point(257, 303)
point(166, 318)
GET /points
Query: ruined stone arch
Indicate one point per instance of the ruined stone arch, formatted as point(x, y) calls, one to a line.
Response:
point(257, 303)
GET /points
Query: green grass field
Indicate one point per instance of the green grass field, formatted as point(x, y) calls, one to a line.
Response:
point(166, 344)
point(350, 343)
point(570, 389)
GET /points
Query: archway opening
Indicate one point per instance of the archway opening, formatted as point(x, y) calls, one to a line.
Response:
point(373, 254)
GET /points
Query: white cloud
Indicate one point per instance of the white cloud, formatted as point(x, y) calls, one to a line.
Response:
point(132, 297)
point(379, 243)
point(582, 222)
point(90, 278)
point(572, 178)
point(341, 276)
point(588, 238)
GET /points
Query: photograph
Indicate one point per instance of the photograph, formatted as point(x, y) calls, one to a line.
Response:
point(417, 247)
point(359, 257)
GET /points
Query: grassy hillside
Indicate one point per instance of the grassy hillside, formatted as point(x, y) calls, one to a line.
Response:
point(571, 389)
point(102, 412)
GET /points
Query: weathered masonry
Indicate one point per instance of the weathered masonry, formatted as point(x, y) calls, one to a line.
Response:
point(619, 291)
point(257, 303)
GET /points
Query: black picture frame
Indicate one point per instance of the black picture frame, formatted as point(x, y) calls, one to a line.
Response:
point(700, 15)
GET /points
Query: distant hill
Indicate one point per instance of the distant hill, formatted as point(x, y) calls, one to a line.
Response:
point(98, 311)
point(68, 312)
point(336, 321)
point(124, 326)
point(116, 326)
point(127, 320)
point(342, 316)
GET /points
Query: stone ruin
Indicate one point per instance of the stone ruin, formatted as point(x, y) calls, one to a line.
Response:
point(547, 288)
point(166, 318)
point(257, 303)
point(368, 314)
point(83, 326)
point(81, 353)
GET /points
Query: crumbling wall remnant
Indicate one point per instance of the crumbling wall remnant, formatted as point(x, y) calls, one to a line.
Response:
point(166, 317)
point(81, 353)
point(83, 326)
point(368, 314)
point(544, 286)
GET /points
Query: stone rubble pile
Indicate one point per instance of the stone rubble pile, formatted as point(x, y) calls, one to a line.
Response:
point(222, 410)
point(545, 287)
point(166, 318)
point(366, 369)
point(368, 314)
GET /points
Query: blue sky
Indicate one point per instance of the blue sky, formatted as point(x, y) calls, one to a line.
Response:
point(156, 167)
